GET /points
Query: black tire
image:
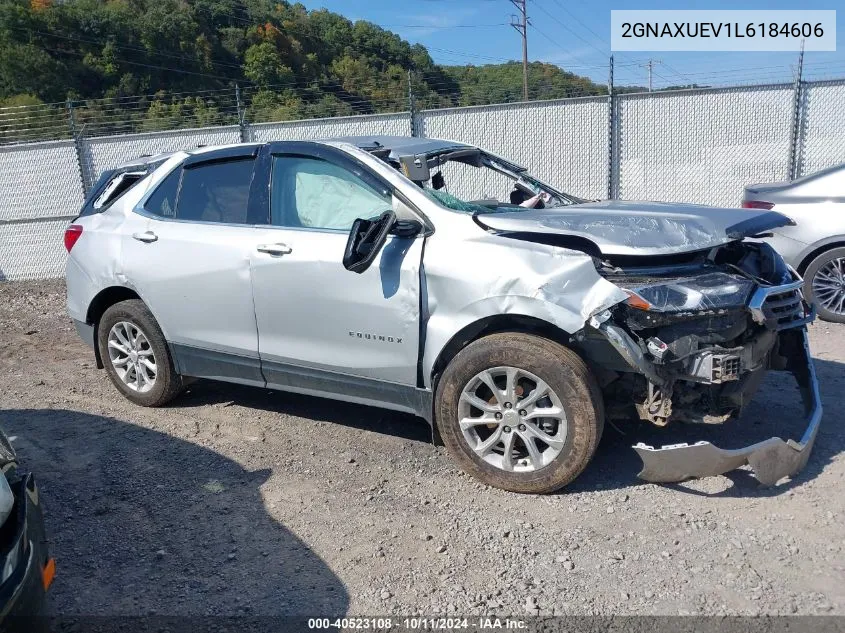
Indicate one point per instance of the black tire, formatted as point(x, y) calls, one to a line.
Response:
point(167, 383)
point(562, 370)
point(809, 275)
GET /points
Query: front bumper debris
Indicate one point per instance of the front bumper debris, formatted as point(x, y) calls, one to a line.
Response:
point(771, 459)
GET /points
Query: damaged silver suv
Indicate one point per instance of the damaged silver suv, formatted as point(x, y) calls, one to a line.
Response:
point(435, 278)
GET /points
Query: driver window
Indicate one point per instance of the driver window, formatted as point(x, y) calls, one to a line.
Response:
point(313, 193)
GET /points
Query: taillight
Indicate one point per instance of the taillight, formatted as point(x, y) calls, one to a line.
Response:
point(756, 204)
point(72, 234)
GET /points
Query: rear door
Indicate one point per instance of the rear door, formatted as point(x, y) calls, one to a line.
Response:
point(187, 253)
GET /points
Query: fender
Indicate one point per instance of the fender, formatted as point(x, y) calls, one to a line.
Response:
point(813, 250)
point(550, 284)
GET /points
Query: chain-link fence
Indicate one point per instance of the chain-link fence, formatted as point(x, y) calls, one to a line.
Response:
point(563, 142)
point(702, 145)
point(821, 132)
point(40, 190)
point(699, 145)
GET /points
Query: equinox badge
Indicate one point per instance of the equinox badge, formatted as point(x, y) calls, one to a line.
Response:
point(375, 337)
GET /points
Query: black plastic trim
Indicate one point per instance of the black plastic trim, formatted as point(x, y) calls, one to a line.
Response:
point(226, 153)
point(357, 389)
point(204, 363)
point(246, 370)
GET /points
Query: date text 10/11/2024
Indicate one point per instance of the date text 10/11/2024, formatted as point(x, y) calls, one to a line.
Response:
point(418, 624)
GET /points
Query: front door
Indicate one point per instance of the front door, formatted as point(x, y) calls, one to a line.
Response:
point(321, 327)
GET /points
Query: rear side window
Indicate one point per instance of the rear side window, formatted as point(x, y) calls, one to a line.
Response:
point(119, 185)
point(209, 192)
point(110, 188)
point(163, 200)
point(216, 192)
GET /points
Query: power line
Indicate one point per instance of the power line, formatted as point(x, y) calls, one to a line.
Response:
point(122, 47)
point(574, 17)
point(588, 43)
point(467, 54)
point(438, 28)
point(571, 54)
point(152, 66)
point(681, 75)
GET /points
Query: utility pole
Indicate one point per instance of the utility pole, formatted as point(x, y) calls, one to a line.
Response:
point(793, 167)
point(520, 23)
point(244, 133)
point(412, 104)
point(650, 66)
point(611, 134)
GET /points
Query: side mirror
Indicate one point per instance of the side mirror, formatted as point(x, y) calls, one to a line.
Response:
point(365, 241)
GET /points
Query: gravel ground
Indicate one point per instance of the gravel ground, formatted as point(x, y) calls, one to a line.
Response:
point(244, 501)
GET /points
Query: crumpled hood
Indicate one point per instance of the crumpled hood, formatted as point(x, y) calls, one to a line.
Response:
point(640, 228)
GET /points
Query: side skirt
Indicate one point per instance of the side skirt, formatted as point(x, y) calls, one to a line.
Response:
point(225, 366)
point(245, 370)
point(376, 393)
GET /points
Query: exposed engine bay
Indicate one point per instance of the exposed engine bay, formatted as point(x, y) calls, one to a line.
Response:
point(698, 349)
point(693, 343)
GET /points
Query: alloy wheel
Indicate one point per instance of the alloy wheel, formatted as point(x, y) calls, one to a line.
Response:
point(132, 356)
point(829, 286)
point(512, 419)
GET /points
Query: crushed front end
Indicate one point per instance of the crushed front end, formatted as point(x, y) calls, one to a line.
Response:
point(692, 344)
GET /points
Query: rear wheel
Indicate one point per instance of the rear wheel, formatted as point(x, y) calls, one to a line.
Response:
point(136, 356)
point(519, 412)
point(825, 285)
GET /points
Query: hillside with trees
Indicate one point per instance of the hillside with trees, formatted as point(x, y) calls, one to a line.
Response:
point(185, 58)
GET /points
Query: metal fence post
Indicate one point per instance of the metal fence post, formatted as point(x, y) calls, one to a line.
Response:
point(795, 137)
point(612, 134)
point(76, 134)
point(243, 126)
point(412, 106)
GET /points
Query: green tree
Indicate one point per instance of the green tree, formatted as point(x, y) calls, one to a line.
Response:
point(263, 66)
point(294, 62)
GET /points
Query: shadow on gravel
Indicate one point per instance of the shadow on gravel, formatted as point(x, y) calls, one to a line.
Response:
point(775, 411)
point(404, 425)
point(142, 523)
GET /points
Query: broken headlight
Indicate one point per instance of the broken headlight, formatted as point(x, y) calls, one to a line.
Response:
point(713, 291)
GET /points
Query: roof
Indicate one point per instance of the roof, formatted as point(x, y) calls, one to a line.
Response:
point(401, 145)
point(398, 146)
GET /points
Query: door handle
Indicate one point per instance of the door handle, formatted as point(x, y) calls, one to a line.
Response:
point(146, 237)
point(274, 249)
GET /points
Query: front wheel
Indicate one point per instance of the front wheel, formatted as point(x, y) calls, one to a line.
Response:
point(825, 285)
point(135, 354)
point(519, 412)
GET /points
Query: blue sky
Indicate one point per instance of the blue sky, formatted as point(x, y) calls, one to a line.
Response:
point(575, 34)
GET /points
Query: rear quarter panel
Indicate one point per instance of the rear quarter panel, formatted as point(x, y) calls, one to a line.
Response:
point(93, 263)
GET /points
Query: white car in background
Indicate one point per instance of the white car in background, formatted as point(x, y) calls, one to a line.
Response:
point(815, 246)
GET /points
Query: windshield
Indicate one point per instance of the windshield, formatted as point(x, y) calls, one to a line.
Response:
point(478, 182)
